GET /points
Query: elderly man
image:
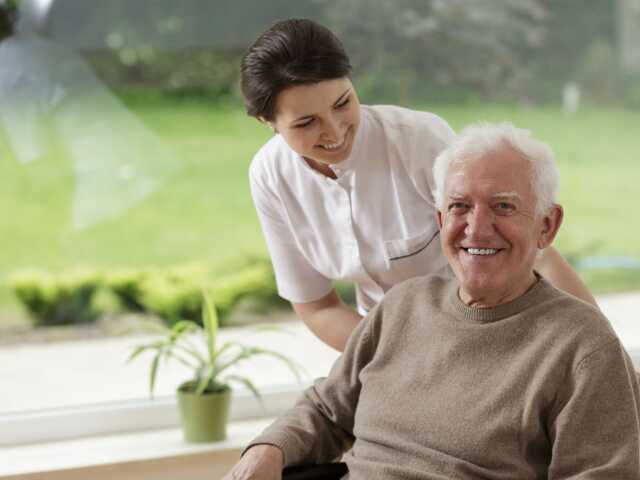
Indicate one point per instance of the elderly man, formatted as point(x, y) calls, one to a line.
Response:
point(493, 374)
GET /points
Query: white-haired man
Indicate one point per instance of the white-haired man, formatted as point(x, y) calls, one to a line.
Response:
point(493, 374)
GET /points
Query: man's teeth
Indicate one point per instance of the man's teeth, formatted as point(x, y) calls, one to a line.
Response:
point(481, 251)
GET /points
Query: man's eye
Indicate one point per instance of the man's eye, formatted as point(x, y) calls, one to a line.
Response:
point(504, 207)
point(457, 206)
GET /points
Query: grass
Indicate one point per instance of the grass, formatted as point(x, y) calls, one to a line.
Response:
point(205, 213)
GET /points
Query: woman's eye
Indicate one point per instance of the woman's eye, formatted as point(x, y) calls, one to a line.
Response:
point(305, 124)
point(343, 103)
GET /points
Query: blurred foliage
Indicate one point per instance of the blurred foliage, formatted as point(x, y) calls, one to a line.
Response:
point(632, 90)
point(58, 299)
point(190, 72)
point(172, 293)
point(176, 294)
point(480, 46)
point(404, 51)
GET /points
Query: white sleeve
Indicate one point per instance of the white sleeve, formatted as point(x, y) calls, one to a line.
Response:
point(432, 135)
point(297, 280)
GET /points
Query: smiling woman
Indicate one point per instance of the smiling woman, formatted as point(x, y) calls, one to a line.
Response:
point(322, 133)
point(343, 191)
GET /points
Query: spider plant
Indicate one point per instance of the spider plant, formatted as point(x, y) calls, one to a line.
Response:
point(196, 347)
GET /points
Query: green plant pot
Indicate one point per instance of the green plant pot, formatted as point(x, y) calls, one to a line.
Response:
point(204, 417)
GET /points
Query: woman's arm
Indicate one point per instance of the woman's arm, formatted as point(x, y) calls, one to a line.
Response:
point(552, 266)
point(329, 318)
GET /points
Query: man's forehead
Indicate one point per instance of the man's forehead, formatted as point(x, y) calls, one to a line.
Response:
point(498, 172)
point(493, 184)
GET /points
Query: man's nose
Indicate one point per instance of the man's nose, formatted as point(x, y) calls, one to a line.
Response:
point(480, 223)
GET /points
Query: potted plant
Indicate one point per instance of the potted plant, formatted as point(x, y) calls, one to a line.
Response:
point(204, 399)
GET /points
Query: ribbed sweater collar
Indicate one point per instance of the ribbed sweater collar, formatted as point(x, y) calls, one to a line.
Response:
point(466, 313)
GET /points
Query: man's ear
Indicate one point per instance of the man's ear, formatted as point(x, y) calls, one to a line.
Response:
point(439, 218)
point(551, 224)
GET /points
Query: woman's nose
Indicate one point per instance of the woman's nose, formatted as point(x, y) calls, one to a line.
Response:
point(332, 128)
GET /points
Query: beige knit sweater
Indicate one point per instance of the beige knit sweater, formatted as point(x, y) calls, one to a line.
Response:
point(429, 388)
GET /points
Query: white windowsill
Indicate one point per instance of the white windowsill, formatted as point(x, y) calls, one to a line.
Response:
point(156, 454)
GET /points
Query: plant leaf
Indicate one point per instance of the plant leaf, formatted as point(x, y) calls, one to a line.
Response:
point(143, 348)
point(247, 383)
point(295, 368)
point(154, 371)
point(227, 346)
point(210, 321)
point(248, 352)
point(204, 381)
point(243, 354)
point(171, 354)
point(181, 328)
point(192, 351)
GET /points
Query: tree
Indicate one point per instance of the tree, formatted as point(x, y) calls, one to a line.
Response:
point(454, 43)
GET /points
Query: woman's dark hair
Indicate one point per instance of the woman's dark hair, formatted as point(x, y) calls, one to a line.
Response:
point(291, 52)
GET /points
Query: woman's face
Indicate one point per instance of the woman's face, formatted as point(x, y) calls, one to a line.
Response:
point(319, 121)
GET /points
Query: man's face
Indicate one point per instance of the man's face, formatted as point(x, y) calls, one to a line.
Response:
point(490, 231)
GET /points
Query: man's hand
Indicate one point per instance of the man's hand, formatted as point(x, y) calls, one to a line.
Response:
point(262, 462)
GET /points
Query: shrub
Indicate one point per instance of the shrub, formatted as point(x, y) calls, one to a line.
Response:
point(171, 297)
point(256, 281)
point(125, 285)
point(177, 294)
point(58, 299)
point(174, 293)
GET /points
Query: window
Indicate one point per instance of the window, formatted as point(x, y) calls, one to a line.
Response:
point(124, 147)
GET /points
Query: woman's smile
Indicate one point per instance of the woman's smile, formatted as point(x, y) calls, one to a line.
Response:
point(319, 121)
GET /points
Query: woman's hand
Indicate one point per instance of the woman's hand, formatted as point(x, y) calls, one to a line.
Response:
point(552, 266)
point(262, 462)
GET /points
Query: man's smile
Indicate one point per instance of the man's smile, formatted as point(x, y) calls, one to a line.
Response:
point(482, 251)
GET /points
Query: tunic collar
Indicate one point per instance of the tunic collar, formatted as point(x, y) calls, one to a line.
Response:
point(351, 162)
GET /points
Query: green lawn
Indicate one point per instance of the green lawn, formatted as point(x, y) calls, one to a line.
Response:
point(205, 213)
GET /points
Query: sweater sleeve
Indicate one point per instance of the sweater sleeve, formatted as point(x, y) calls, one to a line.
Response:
point(319, 428)
point(596, 433)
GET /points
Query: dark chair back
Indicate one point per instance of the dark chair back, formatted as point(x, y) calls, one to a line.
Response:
point(325, 471)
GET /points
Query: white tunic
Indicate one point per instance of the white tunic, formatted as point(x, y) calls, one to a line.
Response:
point(374, 225)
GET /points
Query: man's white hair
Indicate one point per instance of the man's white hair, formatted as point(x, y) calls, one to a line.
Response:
point(481, 139)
